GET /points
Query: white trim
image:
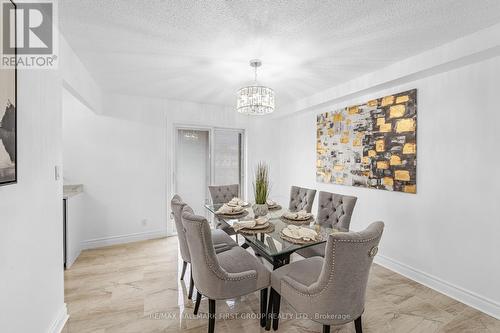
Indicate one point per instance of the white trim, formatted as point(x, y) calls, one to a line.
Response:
point(58, 324)
point(71, 257)
point(139, 236)
point(465, 296)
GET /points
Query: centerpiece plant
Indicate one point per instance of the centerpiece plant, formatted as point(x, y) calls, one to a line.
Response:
point(261, 189)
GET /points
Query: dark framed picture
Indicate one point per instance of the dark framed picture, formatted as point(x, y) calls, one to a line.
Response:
point(8, 104)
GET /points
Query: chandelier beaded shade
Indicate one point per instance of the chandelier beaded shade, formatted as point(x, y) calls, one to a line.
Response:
point(255, 99)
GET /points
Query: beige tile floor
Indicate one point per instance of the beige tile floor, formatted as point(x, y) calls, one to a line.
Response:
point(135, 288)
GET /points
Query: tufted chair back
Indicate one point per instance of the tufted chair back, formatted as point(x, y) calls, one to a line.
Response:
point(177, 205)
point(341, 285)
point(335, 210)
point(301, 199)
point(224, 193)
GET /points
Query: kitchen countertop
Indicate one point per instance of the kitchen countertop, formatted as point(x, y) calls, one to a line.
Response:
point(72, 190)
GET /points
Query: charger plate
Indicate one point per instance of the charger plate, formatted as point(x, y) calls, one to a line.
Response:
point(297, 222)
point(233, 216)
point(269, 229)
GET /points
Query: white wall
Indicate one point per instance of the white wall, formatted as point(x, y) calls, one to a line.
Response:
point(447, 234)
point(77, 79)
point(121, 163)
point(31, 261)
point(124, 159)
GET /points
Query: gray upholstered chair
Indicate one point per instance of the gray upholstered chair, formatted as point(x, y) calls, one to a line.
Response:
point(224, 275)
point(328, 290)
point(220, 239)
point(222, 194)
point(334, 211)
point(301, 199)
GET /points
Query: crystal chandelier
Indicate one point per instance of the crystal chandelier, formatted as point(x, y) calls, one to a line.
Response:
point(255, 99)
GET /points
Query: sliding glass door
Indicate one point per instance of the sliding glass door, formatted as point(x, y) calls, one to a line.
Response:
point(228, 157)
point(206, 156)
point(193, 167)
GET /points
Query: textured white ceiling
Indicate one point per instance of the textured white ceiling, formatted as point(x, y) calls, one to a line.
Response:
point(199, 50)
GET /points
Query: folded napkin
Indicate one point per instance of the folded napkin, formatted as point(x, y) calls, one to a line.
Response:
point(226, 209)
point(237, 202)
point(300, 215)
point(261, 220)
point(242, 224)
point(300, 232)
point(271, 203)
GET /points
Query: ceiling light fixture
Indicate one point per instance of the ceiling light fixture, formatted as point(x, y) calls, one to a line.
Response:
point(255, 99)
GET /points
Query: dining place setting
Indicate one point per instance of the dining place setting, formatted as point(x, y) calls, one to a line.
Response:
point(272, 205)
point(235, 208)
point(253, 226)
point(301, 217)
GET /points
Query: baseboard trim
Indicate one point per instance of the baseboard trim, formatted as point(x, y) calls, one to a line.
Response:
point(121, 239)
point(72, 258)
point(58, 324)
point(467, 297)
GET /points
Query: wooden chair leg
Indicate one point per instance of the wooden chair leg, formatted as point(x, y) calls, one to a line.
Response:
point(263, 307)
point(211, 316)
point(197, 304)
point(357, 325)
point(276, 310)
point(191, 285)
point(326, 328)
point(184, 265)
point(270, 309)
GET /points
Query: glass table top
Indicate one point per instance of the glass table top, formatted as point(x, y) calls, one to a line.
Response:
point(271, 243)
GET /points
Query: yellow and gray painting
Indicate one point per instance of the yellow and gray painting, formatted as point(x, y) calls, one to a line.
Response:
point(370, 145)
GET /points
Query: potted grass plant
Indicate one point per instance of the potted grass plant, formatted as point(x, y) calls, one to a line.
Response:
point(261, 189)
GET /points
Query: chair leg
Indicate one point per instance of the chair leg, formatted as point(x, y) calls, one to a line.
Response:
point(276, 310)
point(197, 304)
point(270, 309)
point(326, 328)
point(211, 316)
point(191, 285)
point(184, 265)
point(357, 325)
point(263, 307)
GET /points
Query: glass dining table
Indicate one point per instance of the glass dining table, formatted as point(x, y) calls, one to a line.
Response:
point(270, 245)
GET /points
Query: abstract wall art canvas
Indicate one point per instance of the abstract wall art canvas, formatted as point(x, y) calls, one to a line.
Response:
point(372, 145)
point(8, 125)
